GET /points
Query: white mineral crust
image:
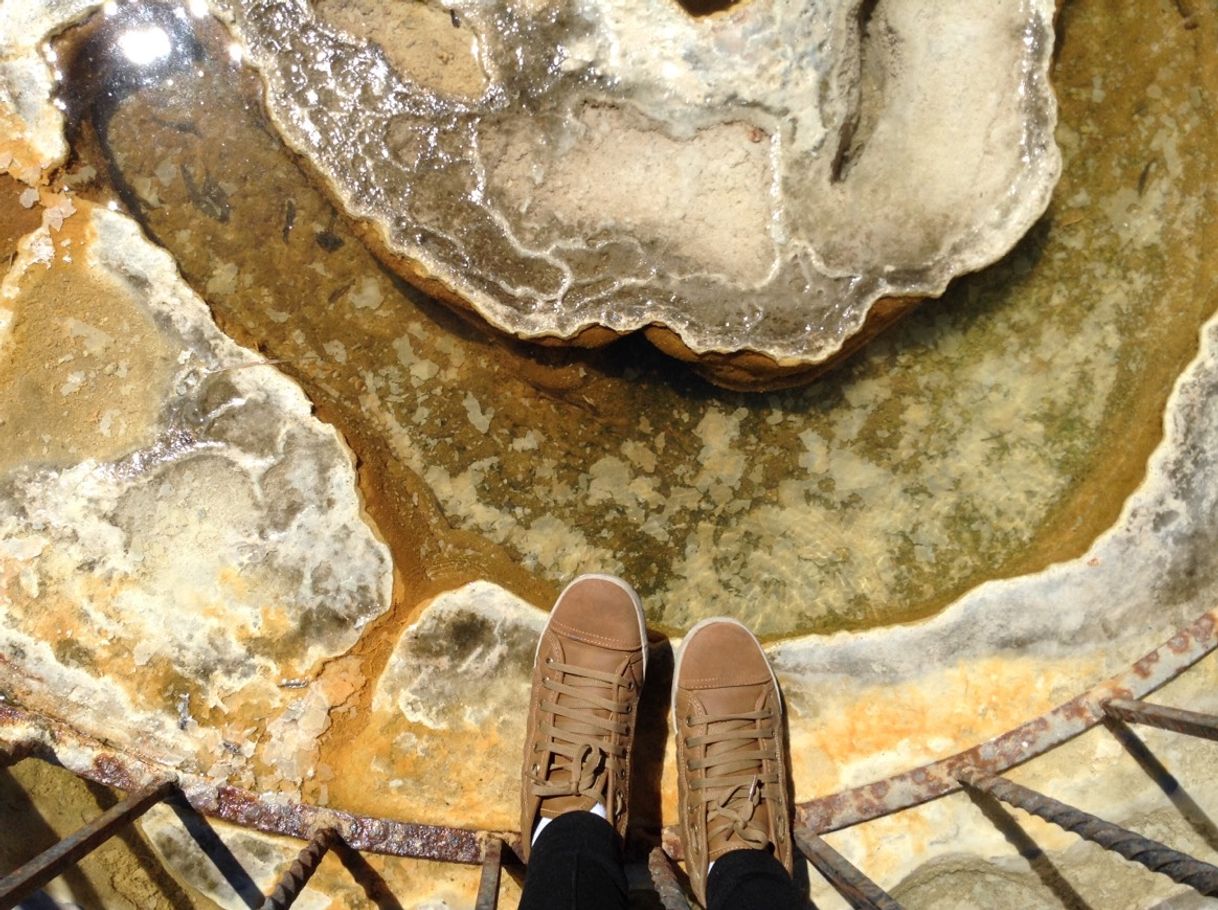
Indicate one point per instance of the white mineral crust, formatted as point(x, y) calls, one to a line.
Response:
point(754, 179)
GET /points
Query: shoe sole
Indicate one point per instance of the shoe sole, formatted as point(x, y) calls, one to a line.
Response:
point(614, 580)
point(676, 670)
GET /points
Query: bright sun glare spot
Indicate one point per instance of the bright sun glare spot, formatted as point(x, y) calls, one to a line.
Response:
point(144, 45)
point(234, 52)
point(198, 8)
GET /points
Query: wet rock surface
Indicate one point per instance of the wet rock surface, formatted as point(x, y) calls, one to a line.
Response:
point(989, 469)
point(976, 441)
point(753, 180)
point(179, 534)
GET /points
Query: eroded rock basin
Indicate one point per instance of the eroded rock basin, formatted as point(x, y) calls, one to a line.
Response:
point(989, 438)
point(976, 442)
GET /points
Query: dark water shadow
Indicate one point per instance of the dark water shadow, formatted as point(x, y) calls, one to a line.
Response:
point(99, 77)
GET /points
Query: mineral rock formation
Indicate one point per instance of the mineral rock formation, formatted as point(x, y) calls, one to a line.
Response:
point(154, 588)
point(179, 536)
point(779, 179)
point(31, 130)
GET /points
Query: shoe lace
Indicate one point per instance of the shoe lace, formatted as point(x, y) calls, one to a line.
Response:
point(735, 779)
point(582, 745)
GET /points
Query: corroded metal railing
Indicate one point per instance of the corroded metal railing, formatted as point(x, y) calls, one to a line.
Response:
point(293, 881)
point(28, 878)
point(1157, 857)
point(24, 733)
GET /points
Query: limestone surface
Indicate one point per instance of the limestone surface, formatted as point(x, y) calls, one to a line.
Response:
point(979, 438)
point(751, 180)
point(169, 508)
point(179, 536)
point(31, 130)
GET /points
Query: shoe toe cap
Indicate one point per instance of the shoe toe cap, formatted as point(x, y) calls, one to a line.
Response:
point(722, 653)
point(601, 609)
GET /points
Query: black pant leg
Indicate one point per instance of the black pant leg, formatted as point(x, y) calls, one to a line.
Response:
point(576, 864)
point(751, 880)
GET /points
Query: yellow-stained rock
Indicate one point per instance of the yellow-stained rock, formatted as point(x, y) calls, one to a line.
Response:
point(182, 546)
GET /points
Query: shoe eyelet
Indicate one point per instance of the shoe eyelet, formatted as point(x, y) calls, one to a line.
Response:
point(536, 768)
point(549, 660)
point(630, 685)
point(689, 720)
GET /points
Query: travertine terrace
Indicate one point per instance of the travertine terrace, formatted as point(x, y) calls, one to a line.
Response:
point(272, 518)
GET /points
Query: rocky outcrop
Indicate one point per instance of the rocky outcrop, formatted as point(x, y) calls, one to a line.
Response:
point(761, 189)
point(182, 546)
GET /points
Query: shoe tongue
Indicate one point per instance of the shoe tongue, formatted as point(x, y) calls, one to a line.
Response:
point(554, 806)
point(592, 656)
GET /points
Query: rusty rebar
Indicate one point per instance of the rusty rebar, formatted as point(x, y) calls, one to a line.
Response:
point(1177, 720)
point(664, 878)
point(857, 889)
point(1157, 857)
point(31, 876)
point(488, 883)
point(938, 778)
point(293, 881)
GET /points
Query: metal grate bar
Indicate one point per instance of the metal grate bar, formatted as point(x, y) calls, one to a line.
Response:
point(1177, 720)
point(488, 884)
point(1157, 857)
point(1035, 737)
point(73, 848)
point(664, 878)
point(293, 881)
point(860, 892)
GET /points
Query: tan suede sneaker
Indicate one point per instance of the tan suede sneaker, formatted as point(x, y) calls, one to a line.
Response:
point(731, 769)
point(587, 674)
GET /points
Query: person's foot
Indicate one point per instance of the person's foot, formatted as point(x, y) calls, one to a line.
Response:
point(587, 674)
point(731, 769)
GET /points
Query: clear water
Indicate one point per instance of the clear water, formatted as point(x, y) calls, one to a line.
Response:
point(990, 433)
